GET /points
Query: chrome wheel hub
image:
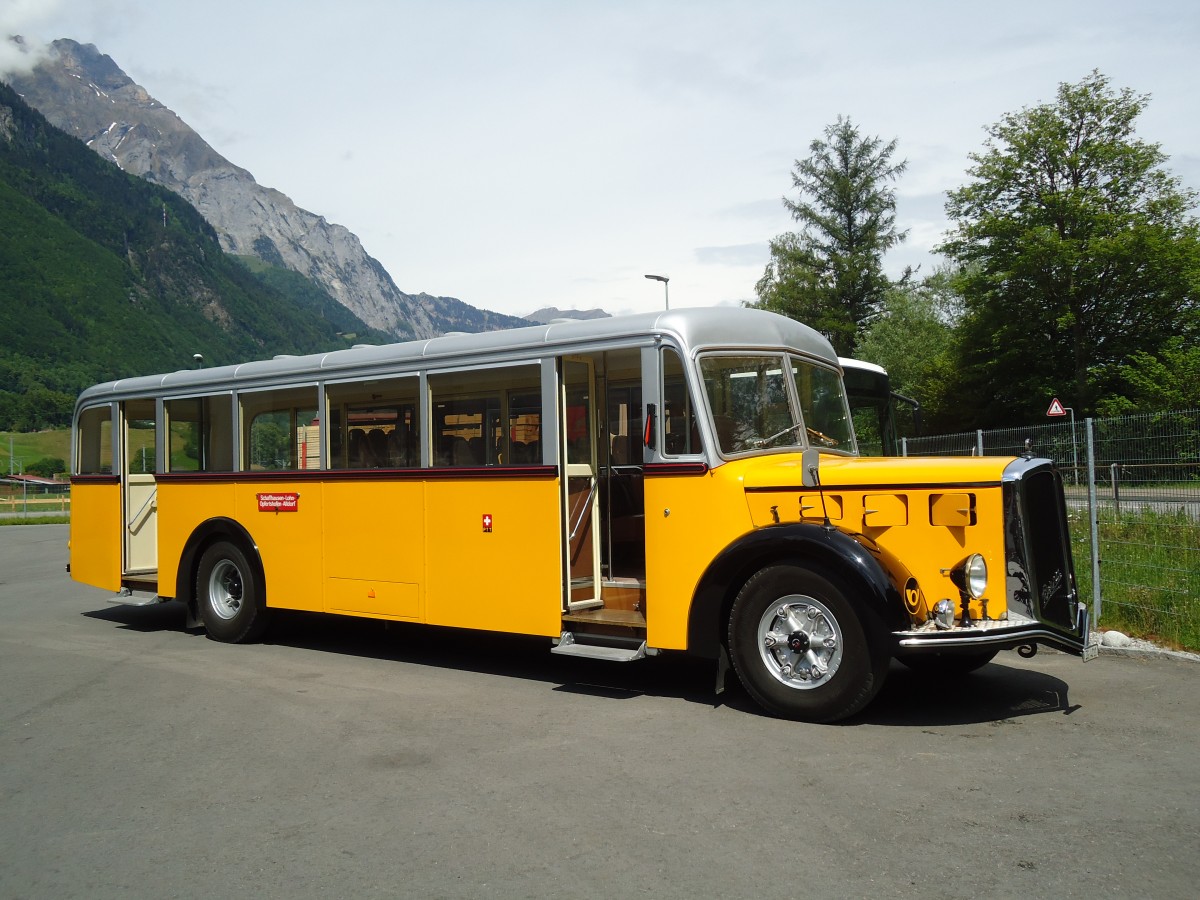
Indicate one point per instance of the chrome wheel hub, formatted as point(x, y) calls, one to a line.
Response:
point(800, 642)
point(225, 590)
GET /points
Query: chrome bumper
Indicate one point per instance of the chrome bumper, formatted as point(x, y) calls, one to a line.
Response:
point(999, 635)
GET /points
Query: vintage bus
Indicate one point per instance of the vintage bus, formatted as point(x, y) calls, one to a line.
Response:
point(675, 481)
point(876, 408)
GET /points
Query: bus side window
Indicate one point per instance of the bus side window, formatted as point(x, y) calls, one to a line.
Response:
point(200, 434)
point(487, 417)
point(374, 424)
point(141, 436)
point(282, 431)
point(680, 433)
point(524, 432)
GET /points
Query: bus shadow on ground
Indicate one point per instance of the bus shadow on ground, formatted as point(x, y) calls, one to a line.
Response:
point(995, 694)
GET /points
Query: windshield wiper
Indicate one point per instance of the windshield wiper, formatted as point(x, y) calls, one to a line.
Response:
point(762, 442)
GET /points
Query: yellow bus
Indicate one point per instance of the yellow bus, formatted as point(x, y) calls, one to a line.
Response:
point(678, 481)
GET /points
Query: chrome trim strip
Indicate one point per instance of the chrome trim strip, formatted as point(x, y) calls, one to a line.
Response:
point(1007, 637)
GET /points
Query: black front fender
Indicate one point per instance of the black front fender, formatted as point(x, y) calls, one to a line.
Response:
point(872, 592)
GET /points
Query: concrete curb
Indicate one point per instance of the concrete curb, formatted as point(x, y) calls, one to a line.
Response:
point(1149, 652)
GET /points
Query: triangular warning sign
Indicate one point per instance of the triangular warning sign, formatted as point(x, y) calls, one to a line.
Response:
point(1056, 408)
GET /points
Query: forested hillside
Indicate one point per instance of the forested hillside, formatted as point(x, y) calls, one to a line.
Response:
point(104, 275)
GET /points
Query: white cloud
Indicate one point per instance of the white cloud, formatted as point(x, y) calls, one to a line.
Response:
point(19, 55)
point(737, 255)
point(21, 45)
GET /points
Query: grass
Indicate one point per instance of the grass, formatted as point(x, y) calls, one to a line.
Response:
point(29, 447)
point(40, 520)
point(1149, 574)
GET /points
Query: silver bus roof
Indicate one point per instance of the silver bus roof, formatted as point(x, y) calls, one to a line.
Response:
point(693, 329)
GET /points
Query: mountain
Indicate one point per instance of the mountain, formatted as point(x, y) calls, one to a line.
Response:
point(105, 275)
point(548, 314)
point(85, 93)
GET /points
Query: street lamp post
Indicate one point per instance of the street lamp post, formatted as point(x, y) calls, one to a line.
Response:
point(666, 292)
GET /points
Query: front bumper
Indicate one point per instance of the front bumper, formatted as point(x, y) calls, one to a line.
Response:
point(1016, 631)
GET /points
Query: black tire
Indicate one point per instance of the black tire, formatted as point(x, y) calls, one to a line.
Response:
point(229, 595)
point(800, 648)
point(948, 663)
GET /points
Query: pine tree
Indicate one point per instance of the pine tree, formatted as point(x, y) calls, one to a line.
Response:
point(829, 274)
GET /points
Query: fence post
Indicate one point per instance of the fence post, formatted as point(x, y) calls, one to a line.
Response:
point(904, 446)
point(1093, 525)
point(1115, 472)
point(979, 442)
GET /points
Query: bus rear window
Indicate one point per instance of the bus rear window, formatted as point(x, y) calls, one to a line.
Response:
point(93, 455)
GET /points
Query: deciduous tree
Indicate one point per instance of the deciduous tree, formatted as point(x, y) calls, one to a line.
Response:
point(915, 338)
point(1078, 251)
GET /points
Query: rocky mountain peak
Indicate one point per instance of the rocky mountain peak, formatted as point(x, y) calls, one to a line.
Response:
point(85, 93)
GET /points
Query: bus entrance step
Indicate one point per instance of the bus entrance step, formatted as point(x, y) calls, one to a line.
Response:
point(135, 598)
point(614, 649)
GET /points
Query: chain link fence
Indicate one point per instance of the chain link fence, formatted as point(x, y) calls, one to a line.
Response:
point(1133, 494)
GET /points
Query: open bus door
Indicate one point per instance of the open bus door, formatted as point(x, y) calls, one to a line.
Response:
point(139, 490)
point(581, 495)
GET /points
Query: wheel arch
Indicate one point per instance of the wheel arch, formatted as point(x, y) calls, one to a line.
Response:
point(204, 536)
point(871, 590)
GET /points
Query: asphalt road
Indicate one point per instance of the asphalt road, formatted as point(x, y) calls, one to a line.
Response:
point(342, 758)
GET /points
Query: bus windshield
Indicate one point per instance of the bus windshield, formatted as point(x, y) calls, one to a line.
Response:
point(753, 407)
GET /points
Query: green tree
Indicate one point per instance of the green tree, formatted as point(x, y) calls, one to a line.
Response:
point(1169, 379)
point(829, 273)
point(47, 467)
point(915, 338)
point(1077, 252)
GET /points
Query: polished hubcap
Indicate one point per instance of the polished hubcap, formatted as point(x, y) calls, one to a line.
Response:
point(225, 590)
point(800, 642)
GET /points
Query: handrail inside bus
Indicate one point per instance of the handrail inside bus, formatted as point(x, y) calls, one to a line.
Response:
point(583, 511)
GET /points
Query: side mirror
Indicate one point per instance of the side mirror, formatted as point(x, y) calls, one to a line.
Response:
point(811, 461)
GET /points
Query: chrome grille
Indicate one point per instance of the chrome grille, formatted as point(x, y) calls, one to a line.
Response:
point(1040, 574)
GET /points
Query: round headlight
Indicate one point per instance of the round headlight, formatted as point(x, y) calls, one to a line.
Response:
point(975, 576)
point(970, 576)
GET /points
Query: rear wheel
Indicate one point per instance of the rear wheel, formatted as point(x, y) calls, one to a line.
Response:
point(799, 647)
point(229, 594)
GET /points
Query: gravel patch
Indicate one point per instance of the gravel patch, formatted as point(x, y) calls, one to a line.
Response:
point(1115, 643)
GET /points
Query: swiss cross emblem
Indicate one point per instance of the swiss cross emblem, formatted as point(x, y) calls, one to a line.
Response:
point(487, 523)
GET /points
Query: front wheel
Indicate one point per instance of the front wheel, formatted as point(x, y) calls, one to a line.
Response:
point(799, 647)
point(230, 595)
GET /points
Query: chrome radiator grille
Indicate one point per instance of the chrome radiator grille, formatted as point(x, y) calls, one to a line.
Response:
point(1040, 574)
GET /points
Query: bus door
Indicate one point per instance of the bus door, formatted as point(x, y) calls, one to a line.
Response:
point(623, 500)
point(580, 486)
point(140, 492)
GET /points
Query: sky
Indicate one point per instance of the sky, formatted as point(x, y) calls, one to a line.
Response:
point(526, 153)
